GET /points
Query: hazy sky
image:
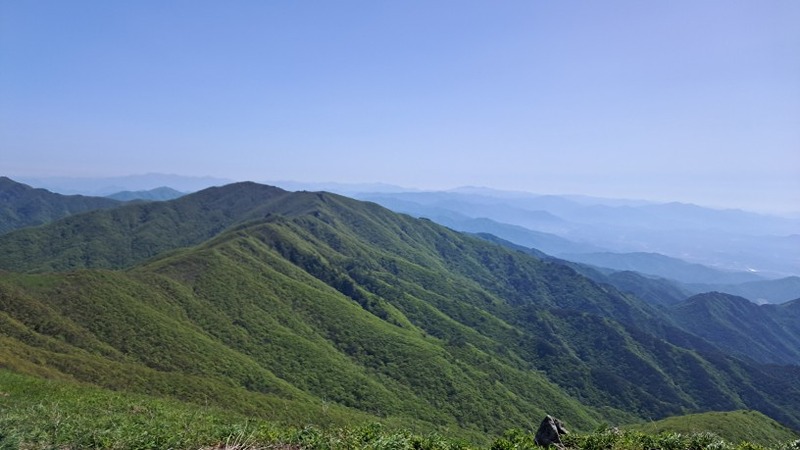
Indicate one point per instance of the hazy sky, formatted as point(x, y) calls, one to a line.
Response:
point(695, 100)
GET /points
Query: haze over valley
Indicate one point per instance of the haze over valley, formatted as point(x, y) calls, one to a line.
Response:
point(415, 225)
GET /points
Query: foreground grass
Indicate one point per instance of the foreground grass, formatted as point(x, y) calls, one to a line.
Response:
point(41, 414)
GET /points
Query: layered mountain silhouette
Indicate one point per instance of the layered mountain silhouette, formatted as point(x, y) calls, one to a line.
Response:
point(730, 251)
point(731, 240)
point(317, 306)
point(762, 291)
point(156, 194)
point(658, 265)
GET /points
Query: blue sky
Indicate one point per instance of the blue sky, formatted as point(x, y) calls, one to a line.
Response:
point(695, 101)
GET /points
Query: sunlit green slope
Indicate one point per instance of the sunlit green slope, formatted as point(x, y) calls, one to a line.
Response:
point(733, 426)
point(311, 302)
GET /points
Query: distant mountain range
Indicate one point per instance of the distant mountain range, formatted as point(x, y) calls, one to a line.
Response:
point(105, 186)
point(157, 194)
point(456, 209)
point(324, 308)
point(726, 239)
point(762, 291)
point(699, 248)
point(662, 266)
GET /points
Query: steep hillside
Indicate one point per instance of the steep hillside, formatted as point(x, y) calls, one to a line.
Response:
point(311, 299)
point(765, 333)
point(23, 206)
point(653, 290)
point(238, 325)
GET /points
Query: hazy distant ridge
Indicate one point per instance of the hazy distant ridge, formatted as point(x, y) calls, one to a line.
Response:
point(157, 194)
point(104, 186)
point(731, 240)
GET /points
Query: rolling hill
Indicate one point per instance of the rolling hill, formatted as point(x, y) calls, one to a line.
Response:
point(319, 307)
point(733, 426)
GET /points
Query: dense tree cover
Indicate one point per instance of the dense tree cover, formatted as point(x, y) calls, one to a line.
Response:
point(23, 206)
point(764, 333)
point(311, 307)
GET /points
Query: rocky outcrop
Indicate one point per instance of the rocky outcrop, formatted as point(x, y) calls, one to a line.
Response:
point(550, 432)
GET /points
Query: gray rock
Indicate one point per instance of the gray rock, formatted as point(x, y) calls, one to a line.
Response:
point(550, 432)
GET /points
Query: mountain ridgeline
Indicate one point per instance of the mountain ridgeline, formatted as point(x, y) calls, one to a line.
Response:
point(124, 236)
point(24, 206)
point(310, 306)
point(765, 333)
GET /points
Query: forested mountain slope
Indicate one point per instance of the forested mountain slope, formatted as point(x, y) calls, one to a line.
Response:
point(765, 333)
point(23, 206)
point(768, 334)
point(123, 236)
point(270, 300)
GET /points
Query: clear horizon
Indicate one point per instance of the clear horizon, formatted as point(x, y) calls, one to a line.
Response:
point(695, 102)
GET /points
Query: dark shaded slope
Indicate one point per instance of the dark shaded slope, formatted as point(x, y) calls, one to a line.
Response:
point(655, 291)
point(765, 333)
point(23, 206)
